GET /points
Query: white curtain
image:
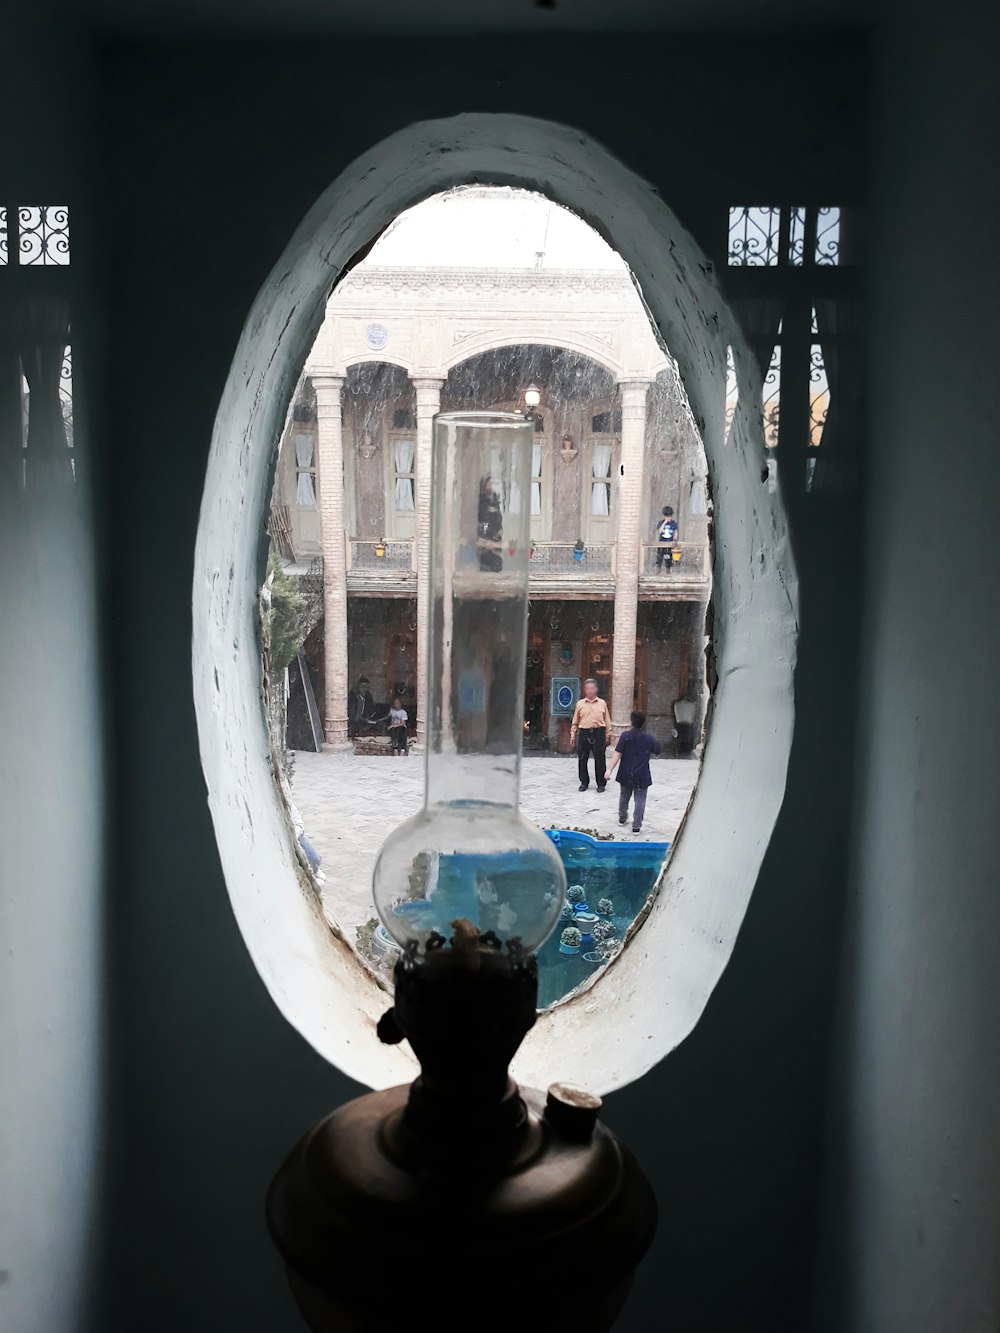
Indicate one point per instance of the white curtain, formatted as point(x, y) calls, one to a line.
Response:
point(403, 454)
point(536, 479)
point(698, 503)
point(305, 484)
point(600, 491)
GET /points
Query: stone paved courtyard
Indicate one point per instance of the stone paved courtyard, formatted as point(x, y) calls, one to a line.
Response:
point(350, 803)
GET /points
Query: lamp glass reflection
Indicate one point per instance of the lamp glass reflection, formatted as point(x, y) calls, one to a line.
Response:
point(532, 396)
point(470, 853)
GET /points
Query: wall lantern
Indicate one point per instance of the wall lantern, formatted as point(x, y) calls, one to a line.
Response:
point(532, 397)
point(468, 889)
point(568, 451)
point(380, 549)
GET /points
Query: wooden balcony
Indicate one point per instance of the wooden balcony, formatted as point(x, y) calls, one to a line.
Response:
point(381, 569)
point(684, 580)
point(557, 570)
point(560, 569)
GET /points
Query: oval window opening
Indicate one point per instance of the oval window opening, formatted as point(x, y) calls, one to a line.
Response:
point(313, 534)
point(492, 298)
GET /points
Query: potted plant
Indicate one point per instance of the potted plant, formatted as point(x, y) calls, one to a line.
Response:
point(606, 907)
point(575, 894)
point(585, 922)
point(604, 930)
point(578, 549)
point(570, 940)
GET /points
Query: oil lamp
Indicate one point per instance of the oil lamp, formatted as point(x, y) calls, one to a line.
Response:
point(469, 854)
point(481, 1197)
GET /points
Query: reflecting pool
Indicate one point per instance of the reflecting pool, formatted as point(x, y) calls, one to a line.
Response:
point(616, 878)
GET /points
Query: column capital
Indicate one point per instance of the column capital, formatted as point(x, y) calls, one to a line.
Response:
point(327, 384)
point(427, 391)
point(636, 389)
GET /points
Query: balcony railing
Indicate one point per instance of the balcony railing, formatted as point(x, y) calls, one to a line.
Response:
point(374, 558)
point(389, 565)
point(564, 558)
point(692, 565)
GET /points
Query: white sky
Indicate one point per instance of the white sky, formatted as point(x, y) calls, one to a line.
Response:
point(495, 227)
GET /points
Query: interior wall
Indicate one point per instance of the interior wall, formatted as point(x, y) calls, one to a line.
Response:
point(53, 780)
point(914, 1179)
point(220, 151)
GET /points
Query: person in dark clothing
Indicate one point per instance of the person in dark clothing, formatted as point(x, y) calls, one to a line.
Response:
point(632, 761)
point(490, 528)
point(360, 706)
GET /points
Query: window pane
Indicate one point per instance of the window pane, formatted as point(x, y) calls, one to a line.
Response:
point(753, 236)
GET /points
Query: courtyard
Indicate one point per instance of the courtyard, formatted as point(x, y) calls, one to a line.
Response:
point(351, 803)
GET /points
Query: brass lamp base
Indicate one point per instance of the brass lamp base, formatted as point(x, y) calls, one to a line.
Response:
point(461, 1197)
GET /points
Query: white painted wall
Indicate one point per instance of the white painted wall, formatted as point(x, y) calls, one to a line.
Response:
point(51, 879)
point(913, 1243)
point(52, 779)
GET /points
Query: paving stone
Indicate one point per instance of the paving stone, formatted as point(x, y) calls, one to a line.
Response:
point(351, 803)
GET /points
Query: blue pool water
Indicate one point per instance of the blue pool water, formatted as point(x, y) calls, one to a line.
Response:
point(623, 872)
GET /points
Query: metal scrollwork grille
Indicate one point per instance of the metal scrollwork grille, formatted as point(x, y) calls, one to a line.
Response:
point(732, 392)
point(772, 399)
point(43, 235)
point(797, 236)
point(828, 236)
point(3, 235)
point(754, 236)
point(819, 395)
point(66, 394)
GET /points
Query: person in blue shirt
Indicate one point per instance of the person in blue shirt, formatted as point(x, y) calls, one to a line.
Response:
point(633, 777)
point(666, 540)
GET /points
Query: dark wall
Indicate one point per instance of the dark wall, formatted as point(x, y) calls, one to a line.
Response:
point(54, 788)
point(914, 1167)
point(211, 156)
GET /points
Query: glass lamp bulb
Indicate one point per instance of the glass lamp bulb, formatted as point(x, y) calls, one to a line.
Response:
point(532, 396)
point(470, 853)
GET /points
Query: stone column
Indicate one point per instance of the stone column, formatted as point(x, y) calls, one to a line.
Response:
point(628, 549)
point(428, 396)
point(330, 475)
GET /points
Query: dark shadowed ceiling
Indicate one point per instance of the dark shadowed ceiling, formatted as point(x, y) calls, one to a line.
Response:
point(465, 17)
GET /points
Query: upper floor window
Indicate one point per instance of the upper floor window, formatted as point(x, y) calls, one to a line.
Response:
point(536, 479)
point(403, 450)
point(35, 235)
point(305, 470)
point(600, 479)
point(606, 423)
point(769, 237)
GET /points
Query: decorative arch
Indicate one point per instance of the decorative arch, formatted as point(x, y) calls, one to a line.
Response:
point(375, 359)
point(591, 348)
point(654, 993)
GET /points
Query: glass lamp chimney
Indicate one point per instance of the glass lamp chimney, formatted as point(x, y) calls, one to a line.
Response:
point(470, 853)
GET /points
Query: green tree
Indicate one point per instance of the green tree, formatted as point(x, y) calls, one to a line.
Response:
point(284, 617)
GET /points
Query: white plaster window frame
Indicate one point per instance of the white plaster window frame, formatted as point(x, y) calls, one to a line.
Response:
point(653, 994)
point(598, 528)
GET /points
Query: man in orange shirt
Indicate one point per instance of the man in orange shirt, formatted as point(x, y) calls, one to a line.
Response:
point(591, 733)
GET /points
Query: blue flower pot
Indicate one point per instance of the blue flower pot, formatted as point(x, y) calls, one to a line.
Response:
point(569, 948)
